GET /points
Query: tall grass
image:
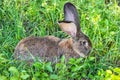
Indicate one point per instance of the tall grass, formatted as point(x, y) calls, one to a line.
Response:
point(100, 21)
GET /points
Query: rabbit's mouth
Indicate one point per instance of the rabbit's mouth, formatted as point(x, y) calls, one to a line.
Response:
point(80, 53)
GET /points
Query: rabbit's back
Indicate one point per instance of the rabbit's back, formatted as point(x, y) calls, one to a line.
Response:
point(31, 47)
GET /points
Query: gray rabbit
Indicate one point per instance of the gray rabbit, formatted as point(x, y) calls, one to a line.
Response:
point(50, 48)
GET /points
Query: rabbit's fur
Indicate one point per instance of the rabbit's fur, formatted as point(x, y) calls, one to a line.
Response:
point(51, 48)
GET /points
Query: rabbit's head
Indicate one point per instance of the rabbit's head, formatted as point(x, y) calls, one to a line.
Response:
point(71, 25)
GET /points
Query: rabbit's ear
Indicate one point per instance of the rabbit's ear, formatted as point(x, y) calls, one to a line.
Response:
point(71, 14)
point(68, 27)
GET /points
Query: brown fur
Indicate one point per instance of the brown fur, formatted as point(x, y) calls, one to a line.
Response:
point(31, 47)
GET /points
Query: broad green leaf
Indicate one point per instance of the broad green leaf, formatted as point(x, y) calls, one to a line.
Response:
point(3, 78)
point(45, 74)
point(53, 76)
point(14, 71)
point(48, 67)
point(14, 78)
point(24, 74)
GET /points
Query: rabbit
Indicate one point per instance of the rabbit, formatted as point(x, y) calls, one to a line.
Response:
point(50, 48)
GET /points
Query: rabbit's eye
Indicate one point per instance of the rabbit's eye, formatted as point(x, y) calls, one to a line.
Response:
point(84, 43)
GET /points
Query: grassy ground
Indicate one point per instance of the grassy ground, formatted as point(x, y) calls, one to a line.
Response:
point(100, 21)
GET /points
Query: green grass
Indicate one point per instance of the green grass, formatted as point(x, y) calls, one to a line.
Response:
point(100, 21)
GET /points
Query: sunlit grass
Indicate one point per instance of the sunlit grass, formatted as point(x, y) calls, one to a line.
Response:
point(22, 18)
